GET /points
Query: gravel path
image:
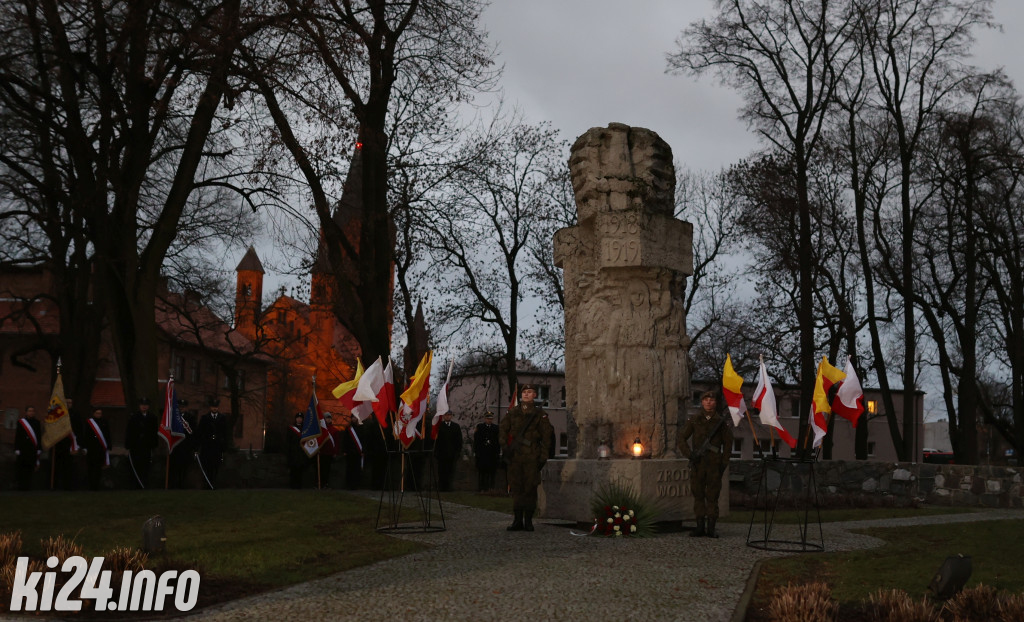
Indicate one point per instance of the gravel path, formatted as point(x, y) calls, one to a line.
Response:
point(478, 571)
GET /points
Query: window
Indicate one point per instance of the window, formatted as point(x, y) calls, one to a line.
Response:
point(794, 408)
point(194, 371)
point(696, 397)
point(872, 407)
point(737, 448)
point(543, 392)
point(241, 380)
point(563, 396)
point(563, 444)
point(871, 449)
point(178, 368)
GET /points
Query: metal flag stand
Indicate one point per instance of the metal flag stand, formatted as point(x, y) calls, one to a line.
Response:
point(795, 475)
point(424, 487)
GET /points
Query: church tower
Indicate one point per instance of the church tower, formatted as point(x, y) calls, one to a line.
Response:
point(248, 293)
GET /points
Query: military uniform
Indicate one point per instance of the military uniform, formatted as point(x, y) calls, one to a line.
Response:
point(706, 473)
point(525, 435)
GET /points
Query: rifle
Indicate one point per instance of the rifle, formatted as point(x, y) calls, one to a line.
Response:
point(698, 454)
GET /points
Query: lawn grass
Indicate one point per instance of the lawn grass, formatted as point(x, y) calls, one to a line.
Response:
point(252, 539)
point(789, 517)
point(907, 562)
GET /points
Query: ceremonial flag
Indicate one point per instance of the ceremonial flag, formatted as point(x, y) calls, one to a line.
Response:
point(371, 384)
point(849, 402)
point(764, 401)
point(442, 402)
point(732, 386)
point(414, 399)
point(57, 424)
point(386, 397)
point(346, 391)
point(313, 427)
point(827, 376)
point(515, 398)
point(172, 426)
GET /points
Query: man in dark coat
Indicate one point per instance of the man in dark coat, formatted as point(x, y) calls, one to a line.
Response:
point(140, 440)
point(298, 459)
point(28, 438)
point(354, 450)
point(447, 450)
point(214, 437)
point(96, 442)
point(525, 435)
point(708, 460)
point(485, 451)
point(329, 450)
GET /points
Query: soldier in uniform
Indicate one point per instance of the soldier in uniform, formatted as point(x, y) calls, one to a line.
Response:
point(708, 459)
point(525, 434)
point(140, 441)
point(28, 438)
point(96, 438)
point(486, 450)
point(447, 450)
point(214, 434)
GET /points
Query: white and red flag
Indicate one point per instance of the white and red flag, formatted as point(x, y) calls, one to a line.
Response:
point(764, 401)
point(414, 402)
point(732, 389)
point(442, 402)
point(370, 385)
point(820, 408)
point(849, 401)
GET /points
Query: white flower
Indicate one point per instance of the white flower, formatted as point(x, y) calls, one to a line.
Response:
point(632, 529)
point(618, 533)
point(617, 515)
point(631, 512)
point(611, 520)
point(625, 518)
point(616, 528)
point(615, 508)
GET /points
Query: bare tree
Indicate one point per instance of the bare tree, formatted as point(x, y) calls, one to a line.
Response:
point(915, 50)
point(120, 101)
point(785, 57)
point(479, 227)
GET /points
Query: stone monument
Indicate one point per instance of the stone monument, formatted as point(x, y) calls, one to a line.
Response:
point(624, 268)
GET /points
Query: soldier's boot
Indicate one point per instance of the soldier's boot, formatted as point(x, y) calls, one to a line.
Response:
point(517, 523)
point(528, 520)
point(711, 528)
point(700, 528)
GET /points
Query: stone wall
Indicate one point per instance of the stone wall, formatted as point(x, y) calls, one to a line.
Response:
point(871, 484)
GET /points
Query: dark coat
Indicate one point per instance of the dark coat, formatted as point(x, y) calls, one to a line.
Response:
point(28, 450)
point(214, 435)
point(448, 446)
point(141, 434)
point(485, 446)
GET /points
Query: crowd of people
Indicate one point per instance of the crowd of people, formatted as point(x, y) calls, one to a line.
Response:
point(522, 443)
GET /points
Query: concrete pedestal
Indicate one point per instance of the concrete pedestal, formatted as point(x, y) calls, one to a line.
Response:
point(568, 486)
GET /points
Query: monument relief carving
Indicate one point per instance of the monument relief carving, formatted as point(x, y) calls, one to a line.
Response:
point(625, 266)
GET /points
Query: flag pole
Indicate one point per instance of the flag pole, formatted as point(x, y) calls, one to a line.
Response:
point(167, 460)
point(53, 449)
point(760, 451)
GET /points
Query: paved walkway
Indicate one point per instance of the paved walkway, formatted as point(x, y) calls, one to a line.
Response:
point(478, 571)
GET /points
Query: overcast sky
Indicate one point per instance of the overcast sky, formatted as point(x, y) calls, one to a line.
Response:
point(586, 63)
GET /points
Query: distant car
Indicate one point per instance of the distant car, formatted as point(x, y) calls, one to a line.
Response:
point(934, 456)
